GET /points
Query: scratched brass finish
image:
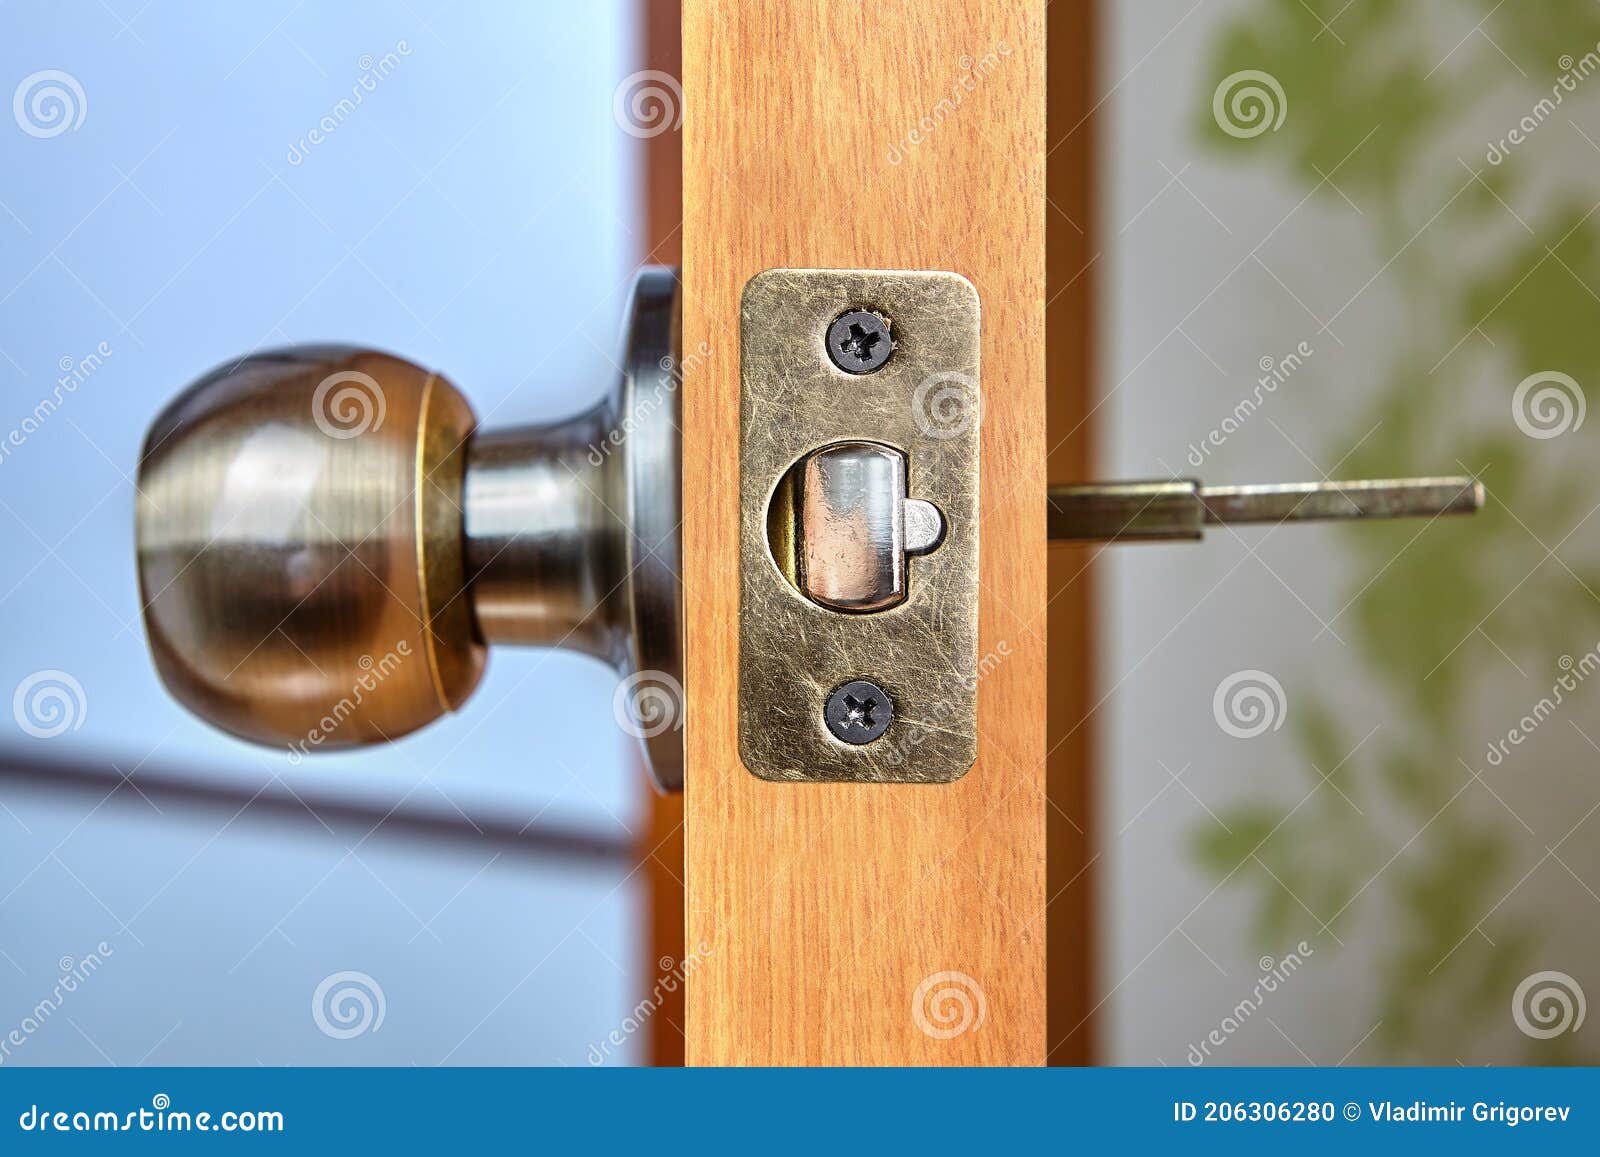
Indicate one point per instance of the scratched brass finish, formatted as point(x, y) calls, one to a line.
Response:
point(923, 403)
point(299, 549)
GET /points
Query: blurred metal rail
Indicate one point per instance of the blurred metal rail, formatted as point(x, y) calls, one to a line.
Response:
point(537, 839)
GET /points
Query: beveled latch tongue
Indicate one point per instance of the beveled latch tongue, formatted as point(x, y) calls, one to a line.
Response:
point(852, 526)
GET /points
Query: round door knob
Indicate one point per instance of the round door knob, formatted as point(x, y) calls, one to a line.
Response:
point(327, 543)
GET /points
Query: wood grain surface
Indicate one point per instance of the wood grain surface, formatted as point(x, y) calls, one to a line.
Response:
point(857, 923)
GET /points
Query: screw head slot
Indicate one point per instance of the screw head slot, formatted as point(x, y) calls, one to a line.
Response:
point(858, 712)
point(859, 341)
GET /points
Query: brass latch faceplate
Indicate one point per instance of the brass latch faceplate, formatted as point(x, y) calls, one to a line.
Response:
point(858, 483)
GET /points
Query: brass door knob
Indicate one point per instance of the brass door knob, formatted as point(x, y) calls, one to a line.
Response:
point(327, 543)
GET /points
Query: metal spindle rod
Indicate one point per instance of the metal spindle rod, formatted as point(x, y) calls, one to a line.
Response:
point(1180, 509)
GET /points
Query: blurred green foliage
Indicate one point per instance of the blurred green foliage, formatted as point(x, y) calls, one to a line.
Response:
point(1377, 829)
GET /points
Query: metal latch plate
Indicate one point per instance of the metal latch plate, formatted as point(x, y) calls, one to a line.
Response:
point(925, 402)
